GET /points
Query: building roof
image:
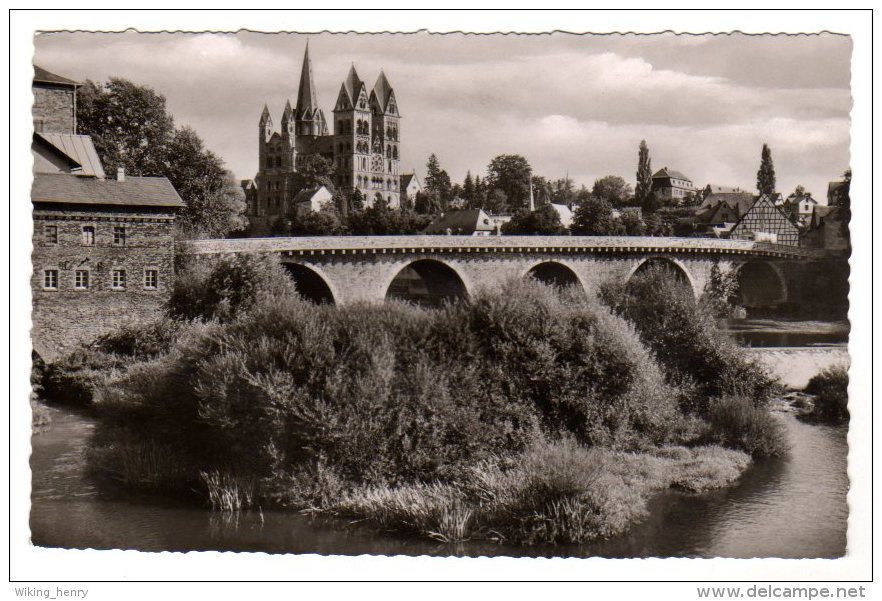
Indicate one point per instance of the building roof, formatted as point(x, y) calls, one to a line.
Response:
point(664, 172)
point(833, 189)
point(307, 194)
point(41, 75)
point(467, 221)
point(383, 90)
point(133, 192)
point(406, 178)
point(306, 102)
point(740, 201)
point(714, 189)
point(78, 149)
point(352, 84)
point(822, 212)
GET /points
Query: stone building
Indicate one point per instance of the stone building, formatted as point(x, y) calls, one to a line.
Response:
point(55, 102)
point(103, 249)
point(364, 146)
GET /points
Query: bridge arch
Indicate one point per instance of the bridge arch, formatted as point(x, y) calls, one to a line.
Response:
point(427, 282)
point(554, 273)
point(761, 285)
point(675, 267)
point(311, 283)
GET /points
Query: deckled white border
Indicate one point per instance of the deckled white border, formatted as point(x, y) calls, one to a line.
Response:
point(32, 563)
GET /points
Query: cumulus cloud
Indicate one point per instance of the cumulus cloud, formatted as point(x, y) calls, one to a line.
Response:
point(576, 104)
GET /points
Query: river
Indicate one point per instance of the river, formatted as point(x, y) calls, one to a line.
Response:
point(791, 507)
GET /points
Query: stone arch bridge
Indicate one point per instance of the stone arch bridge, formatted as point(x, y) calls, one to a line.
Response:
point(349, 269)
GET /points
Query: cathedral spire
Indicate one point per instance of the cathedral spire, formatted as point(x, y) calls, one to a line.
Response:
point(265, 116)
point(306, 102)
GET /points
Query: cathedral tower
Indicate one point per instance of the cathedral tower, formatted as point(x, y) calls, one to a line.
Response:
point(352, 135)
point(385, 134)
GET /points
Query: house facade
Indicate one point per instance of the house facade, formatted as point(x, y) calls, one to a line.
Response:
point(103, 249)
point(765, 222)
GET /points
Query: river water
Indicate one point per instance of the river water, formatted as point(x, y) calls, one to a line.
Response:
point(791, 507)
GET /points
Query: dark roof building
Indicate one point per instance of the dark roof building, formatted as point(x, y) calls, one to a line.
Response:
point(70, 189)
point(468, 222)
point(671, 185)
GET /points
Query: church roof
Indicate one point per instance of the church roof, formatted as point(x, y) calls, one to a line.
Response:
point(353, 84)
point(306, 101)
point(383, 90)
point(265, 116)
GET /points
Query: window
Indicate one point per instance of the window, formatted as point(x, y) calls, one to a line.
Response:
point(50, 234)
point(151, 279)
point(119, 236)
point(88, 235)
point(81, 279)
point(50, 279)
point(119, 279)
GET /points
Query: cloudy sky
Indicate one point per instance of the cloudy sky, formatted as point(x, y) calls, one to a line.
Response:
point(570, 104)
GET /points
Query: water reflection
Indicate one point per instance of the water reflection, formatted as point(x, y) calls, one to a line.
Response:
point(795, 507)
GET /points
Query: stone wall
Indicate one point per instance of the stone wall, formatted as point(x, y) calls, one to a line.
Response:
point(53, 110)
point(65, 316)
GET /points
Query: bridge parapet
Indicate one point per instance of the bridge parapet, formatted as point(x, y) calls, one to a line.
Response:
point(493, 244)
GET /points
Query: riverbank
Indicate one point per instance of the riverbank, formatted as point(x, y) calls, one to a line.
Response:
point(793, 506)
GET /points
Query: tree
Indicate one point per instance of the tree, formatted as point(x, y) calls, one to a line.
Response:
point(215, 202)
point(131, 128)
point(316, 170)
point(437, 180)
point(544, 221)
point(643, 194)
point(632, 224)
point(612, 189)
point(327, 221)
point(427, 203)
point(562, 192)
point(594, 217)
point(496, 202)
point(468, 189)
point(511, 174)
point(765, 177)
point(380, 220)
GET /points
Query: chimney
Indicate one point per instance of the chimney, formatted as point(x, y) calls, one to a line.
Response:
point(120, 174)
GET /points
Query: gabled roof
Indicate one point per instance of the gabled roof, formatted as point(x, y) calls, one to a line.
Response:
point(78, 149)
point(307, 194)
point(41, 75)
point(823, 212)
point(467, 221)
point(405, 179)
point(665, 172)
point(306, 102)
point(740, 201)
point(383, 90)
point(353, 84)
point(265, 116)
point(133, 192)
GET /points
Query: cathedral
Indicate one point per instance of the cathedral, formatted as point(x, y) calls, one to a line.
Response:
point(364, 147)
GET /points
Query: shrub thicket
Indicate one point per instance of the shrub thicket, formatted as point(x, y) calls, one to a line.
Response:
point(223, 287)
point(830, 388)
point(394, 393)
point(697, 357)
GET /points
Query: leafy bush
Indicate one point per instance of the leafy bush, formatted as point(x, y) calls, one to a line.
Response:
point(393, 393)
point(73, 378)
point(697, 357)
point(140, 341)
point(222, 288)
point(738, 423)
point(830, 388)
